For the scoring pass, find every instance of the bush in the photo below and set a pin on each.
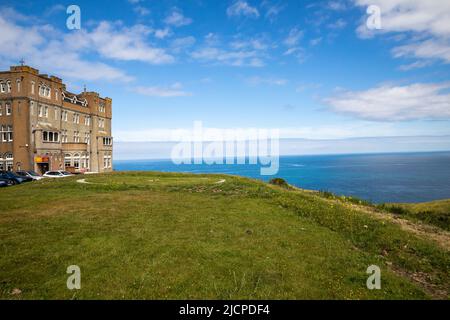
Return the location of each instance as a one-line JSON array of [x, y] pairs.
[[395, 209], [327, 194], [279, 182]]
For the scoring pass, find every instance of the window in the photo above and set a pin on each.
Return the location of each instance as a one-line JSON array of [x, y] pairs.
[[43, 111], [8, 109], [101, 107], [84, 163], [67, 160], [64, 115], [9, 161], [32, 107], [107, 141], [56, 113], [76, 136], [44, 91], [8, 86], [87, 121], [56, 95], [76, 118], [2, 87], [9, 134], [32, 87], [101, 123], [87, 138], [107, 163], [6, 133], [76, 161], [87, 159], [50, 136], [19, 85], [4, 137], [64, 136], [1, 109]]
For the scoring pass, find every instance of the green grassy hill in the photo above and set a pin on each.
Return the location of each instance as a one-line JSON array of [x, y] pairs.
[[435, 212], [180, 236]]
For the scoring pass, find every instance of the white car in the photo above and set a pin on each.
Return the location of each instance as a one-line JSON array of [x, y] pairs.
[[30, 174], [57, 174]]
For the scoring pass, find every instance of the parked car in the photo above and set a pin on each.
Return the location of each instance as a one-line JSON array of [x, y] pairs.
[[57, 174], [29, 173], [9, 175], [5, 183]]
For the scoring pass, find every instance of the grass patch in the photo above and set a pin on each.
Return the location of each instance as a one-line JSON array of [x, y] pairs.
[[436, 213], [182, 236]]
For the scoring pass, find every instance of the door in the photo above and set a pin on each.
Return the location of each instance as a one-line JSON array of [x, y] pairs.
[[43, 168]]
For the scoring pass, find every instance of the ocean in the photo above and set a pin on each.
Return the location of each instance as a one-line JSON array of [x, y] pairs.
[[393, 177]]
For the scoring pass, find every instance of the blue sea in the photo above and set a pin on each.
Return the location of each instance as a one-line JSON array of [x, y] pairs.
[[394, 177]]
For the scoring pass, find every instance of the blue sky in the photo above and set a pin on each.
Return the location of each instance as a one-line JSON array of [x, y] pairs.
[[310, 68]]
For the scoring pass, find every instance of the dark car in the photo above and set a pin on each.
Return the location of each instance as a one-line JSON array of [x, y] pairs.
[[5, 183], [8, 175]]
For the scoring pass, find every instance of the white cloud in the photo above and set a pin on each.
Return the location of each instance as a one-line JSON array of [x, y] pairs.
[[162, 33], [50, 54], [257, 80], [142, 11], [241, 52], [235, 58], [182, 43], [338, 24], [242, 8], [414, 65], [272, 10], [429, 49], [120, 43], [294, 37], [336, 5], [55, 9], [315, 41], [396, 103], [211, 39], [177, 19], [430, 16], [342, 131], [255, 44], [429, 19], [297, 52], [175, 90]]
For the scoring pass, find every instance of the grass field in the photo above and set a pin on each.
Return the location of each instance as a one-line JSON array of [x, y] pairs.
[[180, 236], [436, 212]]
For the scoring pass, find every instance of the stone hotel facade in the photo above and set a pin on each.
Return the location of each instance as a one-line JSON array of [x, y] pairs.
[[45, 127]]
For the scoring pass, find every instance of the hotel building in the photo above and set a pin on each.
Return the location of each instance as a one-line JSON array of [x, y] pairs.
[[45, 127]]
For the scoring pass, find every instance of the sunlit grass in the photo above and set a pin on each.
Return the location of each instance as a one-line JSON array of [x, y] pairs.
[[182, 236]]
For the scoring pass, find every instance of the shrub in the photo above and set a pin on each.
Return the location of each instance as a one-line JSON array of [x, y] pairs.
[[395, 209], [279, 182]]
